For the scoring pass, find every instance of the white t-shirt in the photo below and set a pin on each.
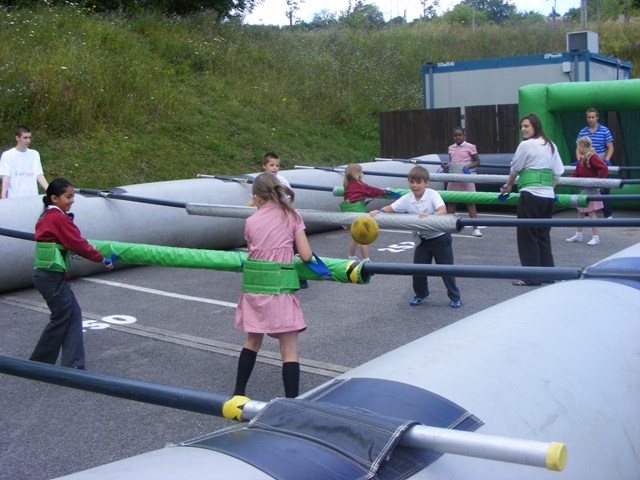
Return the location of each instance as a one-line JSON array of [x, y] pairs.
[[23, 169], [536, 155], [429, 203], [283, 181]]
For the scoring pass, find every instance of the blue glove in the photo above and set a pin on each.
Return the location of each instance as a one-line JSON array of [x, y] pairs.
[[319, 268], [503, 196], [392, 194], [573, 164], [110, 261], [466, 170]]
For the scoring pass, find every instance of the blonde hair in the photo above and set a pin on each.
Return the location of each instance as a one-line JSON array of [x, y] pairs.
[[267, 187], [352, 172], [585, 142]]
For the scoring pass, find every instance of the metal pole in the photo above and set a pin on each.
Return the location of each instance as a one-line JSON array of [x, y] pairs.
[[526, 452], [473, 271], [170, 396], [250, 180], [552, 456], [550, 222], [567, 168], [436, 162], [130, 198], [494, 179]]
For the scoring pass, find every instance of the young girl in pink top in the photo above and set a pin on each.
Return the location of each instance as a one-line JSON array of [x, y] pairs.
[[463, 154], [271, 233]]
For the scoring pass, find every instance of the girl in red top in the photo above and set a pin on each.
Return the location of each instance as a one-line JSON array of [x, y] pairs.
[[355, 193], [589, 166], [55, 236]]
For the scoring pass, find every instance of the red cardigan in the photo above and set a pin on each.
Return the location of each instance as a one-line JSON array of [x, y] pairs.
[[593, 168], [55, 226], [357, 191]]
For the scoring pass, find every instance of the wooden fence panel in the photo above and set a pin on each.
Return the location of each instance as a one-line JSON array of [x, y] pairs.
[[411, 133], [482, 127], [508, 128]]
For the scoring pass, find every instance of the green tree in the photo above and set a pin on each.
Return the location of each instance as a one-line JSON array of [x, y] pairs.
[[323, 19], [292, 7], [496, 11], [429, 8], [464, 15], [363, 15]]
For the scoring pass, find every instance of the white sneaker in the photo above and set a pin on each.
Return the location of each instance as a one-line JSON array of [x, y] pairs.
[[353, 257], [594, 241], [576, 238], [477, 233]]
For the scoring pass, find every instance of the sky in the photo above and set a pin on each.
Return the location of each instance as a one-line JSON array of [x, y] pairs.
[[272, 12]]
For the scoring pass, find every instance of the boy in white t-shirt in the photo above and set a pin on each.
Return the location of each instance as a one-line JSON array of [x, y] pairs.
[[20, 168], [436, 246]]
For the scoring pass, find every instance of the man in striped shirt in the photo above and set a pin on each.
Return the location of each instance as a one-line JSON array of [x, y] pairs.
[[602, 142]]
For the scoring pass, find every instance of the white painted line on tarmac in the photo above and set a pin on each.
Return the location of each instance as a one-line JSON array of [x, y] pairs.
[[160, 292], [325, 369]]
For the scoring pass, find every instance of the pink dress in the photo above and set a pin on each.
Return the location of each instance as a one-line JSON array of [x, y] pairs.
[[270, 237], [462, 153]]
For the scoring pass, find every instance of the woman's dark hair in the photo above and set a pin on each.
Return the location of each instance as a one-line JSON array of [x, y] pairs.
[[55, 188], [538, 132]]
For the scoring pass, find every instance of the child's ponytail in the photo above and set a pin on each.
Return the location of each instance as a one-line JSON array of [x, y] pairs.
[[267, 187]]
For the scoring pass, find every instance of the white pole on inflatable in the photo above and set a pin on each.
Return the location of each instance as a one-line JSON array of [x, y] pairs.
[[549, 455]]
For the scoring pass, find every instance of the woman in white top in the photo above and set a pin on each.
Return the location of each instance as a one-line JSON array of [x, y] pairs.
[[537, 165]]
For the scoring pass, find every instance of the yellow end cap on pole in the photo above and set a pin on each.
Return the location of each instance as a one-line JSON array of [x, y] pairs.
[[352, 271], [557, 456], [232, 408]]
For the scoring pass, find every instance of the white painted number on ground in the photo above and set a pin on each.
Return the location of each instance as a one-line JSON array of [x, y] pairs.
[[106, 321], [398, 247]]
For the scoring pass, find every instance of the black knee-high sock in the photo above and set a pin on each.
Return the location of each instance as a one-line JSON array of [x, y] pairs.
[[291, 378], [246, 363]]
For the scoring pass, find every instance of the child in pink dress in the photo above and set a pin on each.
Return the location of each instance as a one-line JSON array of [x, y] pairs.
[[465, 156], [271, 233]]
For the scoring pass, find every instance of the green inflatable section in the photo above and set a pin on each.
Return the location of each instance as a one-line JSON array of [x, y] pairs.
[[549, 101], [342, 271]]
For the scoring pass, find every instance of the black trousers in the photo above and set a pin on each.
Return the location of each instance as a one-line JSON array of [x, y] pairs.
[[64, 330], [607, 209], [439, 249], [534, 243]]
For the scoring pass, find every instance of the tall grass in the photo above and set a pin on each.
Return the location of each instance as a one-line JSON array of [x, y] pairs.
[[115, 100]]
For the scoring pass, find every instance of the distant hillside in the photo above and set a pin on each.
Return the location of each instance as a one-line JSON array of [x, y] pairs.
[[114, 100]]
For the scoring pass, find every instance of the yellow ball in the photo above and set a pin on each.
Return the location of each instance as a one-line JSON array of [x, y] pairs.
[[364, 230]]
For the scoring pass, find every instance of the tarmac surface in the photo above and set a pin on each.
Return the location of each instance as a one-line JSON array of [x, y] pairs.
[[175, 326]]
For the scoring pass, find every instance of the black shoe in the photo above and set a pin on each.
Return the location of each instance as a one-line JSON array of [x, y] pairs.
[[304, 284]]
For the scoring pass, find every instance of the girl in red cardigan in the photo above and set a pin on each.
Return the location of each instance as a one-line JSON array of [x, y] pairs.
[[355, 193], [589, 166], [56, 237]]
